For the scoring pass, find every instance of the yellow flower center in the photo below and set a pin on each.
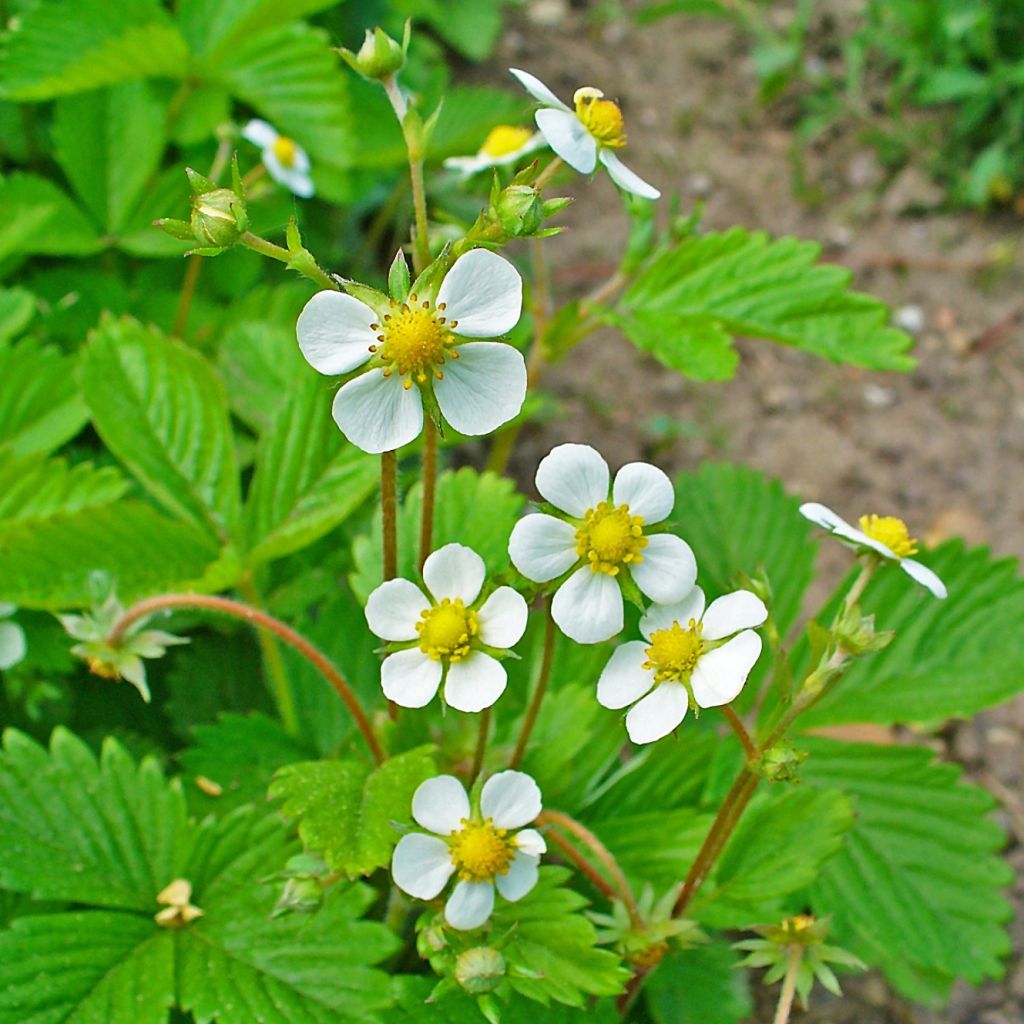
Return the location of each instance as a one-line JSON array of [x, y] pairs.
[[505, 139], [601, 117], [103, 669], [481, 851], [674, 651], [447, 630], [415, 341], [891, 532], [285, 150], [610, 538]]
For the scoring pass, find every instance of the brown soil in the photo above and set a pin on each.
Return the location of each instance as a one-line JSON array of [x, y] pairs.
[[941, 446]]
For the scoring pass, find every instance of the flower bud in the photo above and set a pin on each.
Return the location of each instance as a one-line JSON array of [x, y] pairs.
[[519, 210], [302, 895], [781, 763], [380, 56], [219, 217], [480, 970]]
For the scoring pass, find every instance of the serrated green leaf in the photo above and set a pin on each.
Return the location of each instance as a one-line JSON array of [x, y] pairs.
[[93, 967], [17, 308], [41, 219], [40, 405], [699, 986], [746, 283], [950, 658], [472, 29], [916, 888], [346, 812], [161, 409], [212, 26], [308, 479], [107, 832], [48, 54]]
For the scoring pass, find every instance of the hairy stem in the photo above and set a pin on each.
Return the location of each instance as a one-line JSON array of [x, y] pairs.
[[238, 610], [595, 876], [785, 1005], [420, 238], [539, 690], [548, 173], [188, 290], [429, 490], [389, 513], [315, 273], [741, 731], [481, 744]]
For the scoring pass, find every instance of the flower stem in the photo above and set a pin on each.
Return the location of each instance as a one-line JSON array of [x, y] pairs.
[[188, 290], [539, 690], [238, 610], [315, 272], [741, 731], [596, 878], [389, 513], [481, 744], [420, 238], [785, 1005], [548, 173], [429, 489]]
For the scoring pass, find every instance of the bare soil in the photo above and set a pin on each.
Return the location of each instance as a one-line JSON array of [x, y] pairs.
[[941, 446]]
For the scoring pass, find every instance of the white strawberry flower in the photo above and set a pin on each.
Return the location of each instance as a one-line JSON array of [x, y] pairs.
[[476, 844], [690, 657], [601, 540], [403, 346], [586, 135], [505, 144], [885, 536], [285, 160], [450, 636]]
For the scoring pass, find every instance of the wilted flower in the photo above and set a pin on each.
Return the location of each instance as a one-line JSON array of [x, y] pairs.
[[505, 144], [285, 160], [690, 657], [588, 134], [179, 910], [476, 844]]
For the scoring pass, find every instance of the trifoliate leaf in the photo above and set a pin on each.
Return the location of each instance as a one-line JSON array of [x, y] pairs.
[[916, 887], [40, 218], [691, 295], [346, 812], [699, 986], [17, 308]]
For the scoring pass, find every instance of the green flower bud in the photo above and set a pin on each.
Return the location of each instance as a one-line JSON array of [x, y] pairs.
[[781, 763], [480, 970], [380, 57], [302, 895], [519, 210], [219, 218]]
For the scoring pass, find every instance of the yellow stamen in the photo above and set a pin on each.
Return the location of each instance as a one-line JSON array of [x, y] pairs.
[[505, 139], [286, 150], [447, 630], [674, 651], [601, 117], [481, 851], [179, 910], [891, 532], [610, 538], [414, 341]]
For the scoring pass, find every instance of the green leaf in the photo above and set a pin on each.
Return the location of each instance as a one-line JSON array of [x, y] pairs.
[[473, 509], [950, 658], [347, 812], [699, 986], [308, 479], [94, 967], [17, 308], [105, 832], [744, 283], [472, 29], [468, 114], [48, 54], [916, 888], [109, 143], [213, 26], [161, 409], [40, 405], [41, 219], [34, 488]]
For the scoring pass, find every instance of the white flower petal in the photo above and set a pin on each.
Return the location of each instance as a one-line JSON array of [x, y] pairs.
[[440, 804], [624, 679], [260, 133], [733, 612], [410, 678], [537, 89], [658, 713], [393, 610], [334, 332], [421, 865], [573, 477], [502, 618], [520, 878], [483, 292], [474, 683], [587, 607], [661, 616], [469, 905], [923, 575], [454, 571], [645, 489], [530, 842], [297, 182], [720, 674], [668, 570], [13, 646], [482, 389], [852, 535], [512, 799], [300, 162], [566, 135], [821, 515], [625, 178], [542, 547], [377, 414]]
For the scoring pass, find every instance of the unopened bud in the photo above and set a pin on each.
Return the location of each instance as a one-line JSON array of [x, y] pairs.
[[480, 970], [519, 210], [300, 895], [380, 57], [219, 218], [781, 763]]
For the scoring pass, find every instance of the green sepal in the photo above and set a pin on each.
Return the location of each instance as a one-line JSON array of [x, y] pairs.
[[429, 281], [431, 123], [398, 277], [199, 183], [180, 229], [207, 250]]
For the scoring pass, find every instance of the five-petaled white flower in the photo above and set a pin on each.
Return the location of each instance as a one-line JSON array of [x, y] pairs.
[[285, 160], [590, 133], [504, 144], [474, 844], [602, 540], [691, 656], [402, 347], [446, 635], [886, 536]]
